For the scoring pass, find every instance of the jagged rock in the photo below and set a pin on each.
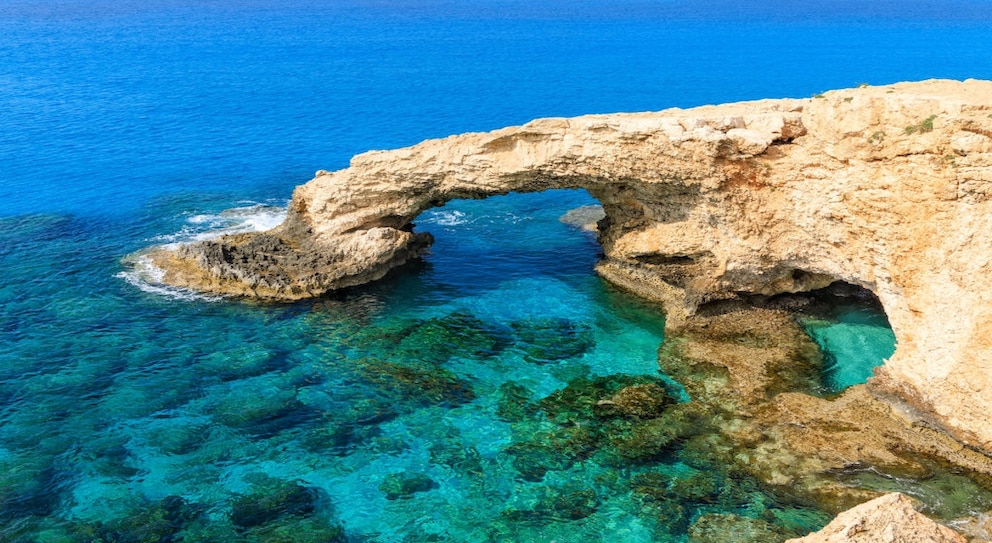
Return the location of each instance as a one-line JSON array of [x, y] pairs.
[[888, 188], [887, 519]]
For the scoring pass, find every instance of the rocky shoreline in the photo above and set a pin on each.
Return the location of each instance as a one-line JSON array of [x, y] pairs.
[[708, 210]]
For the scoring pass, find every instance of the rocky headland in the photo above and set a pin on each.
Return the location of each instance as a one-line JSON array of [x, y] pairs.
[[713, 211]]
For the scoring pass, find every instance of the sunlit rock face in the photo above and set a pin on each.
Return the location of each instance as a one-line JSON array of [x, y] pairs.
[[887, 518], [887, 188]]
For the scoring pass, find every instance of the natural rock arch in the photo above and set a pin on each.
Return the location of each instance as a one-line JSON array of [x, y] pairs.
[[887, 188]]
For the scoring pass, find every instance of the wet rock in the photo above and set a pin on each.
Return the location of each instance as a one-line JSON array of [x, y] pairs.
[[274, 501], [888, 518], [545, 341], [404, 485]]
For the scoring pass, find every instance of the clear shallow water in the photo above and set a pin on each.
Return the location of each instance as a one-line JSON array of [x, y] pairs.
[[131, 414], [855, 339]]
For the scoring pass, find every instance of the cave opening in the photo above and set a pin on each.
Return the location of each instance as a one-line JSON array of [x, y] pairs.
[[851, 328]]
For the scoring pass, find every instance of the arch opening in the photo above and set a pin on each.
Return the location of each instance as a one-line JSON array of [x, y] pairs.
[[853, 332], [481, 243]]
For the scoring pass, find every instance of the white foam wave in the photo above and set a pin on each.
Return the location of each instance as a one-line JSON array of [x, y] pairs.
[[143, 274], [445, 217], [252, 218]]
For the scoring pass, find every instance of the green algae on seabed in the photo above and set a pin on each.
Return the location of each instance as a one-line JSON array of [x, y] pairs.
[[381, 414], [370, 428]]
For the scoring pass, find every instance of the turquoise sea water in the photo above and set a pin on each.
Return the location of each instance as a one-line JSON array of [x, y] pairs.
[[855, 339], [417, 409]]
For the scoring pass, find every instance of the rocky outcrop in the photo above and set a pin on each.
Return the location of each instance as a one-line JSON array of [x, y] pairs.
[[890, 518], [887, 188], [753, 375]]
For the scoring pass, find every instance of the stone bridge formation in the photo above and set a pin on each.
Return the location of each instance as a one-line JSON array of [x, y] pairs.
[[887, 188]]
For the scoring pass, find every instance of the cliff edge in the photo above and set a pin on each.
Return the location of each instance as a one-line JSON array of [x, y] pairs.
[[887, 188]]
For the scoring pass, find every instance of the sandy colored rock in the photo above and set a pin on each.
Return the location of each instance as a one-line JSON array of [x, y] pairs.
[[887, 519], [755, 373], [888, 188]]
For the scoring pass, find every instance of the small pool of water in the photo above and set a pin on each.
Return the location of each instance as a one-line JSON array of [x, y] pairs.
[[855, 337]]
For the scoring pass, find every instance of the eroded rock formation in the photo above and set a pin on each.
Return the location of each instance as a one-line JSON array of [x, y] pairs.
[[887, 187], [887, 518]]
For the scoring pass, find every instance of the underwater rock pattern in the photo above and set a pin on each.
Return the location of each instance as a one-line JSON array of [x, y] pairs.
[[405, 485]]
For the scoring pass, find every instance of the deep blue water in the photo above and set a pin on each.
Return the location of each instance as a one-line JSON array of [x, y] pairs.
[[393, 410]]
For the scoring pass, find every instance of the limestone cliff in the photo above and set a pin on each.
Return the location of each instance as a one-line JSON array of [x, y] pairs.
[[886, 187]]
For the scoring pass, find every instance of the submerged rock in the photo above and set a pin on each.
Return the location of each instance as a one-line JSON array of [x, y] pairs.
[[514, 403], [153, 523], [721, 528], [558, 503], [423, 385], [585, 217], [297, 530], [645, 401], [438, 339], [752, 376], [274, 501], [545, 341], [586, 399], [588, 422], [261, 406], [404, 485]]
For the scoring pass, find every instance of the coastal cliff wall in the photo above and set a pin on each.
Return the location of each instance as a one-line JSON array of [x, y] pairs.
[[886, 187]]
